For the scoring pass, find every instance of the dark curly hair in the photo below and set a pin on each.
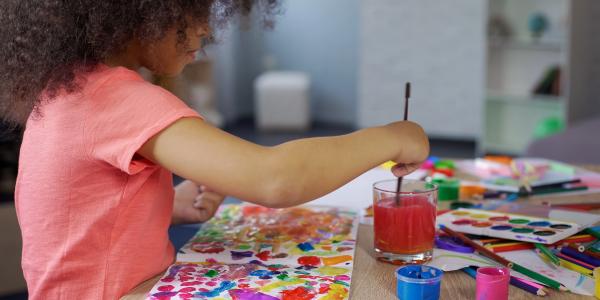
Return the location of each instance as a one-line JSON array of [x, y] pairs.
[[45, 43]]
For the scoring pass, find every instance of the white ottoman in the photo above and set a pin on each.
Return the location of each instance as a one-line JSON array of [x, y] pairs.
[[281, 101]]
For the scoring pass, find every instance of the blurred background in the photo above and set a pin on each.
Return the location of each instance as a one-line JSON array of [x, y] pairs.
[[513, 77]]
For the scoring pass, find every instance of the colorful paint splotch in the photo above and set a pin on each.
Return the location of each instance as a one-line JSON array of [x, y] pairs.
[[243, 233], [250, 252], [250, 281]]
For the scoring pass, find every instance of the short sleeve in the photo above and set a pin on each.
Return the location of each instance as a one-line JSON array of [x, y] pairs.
[[125, 113]]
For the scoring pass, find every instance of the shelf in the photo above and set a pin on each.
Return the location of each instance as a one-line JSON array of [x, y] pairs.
[[511, 120], [539, 101], [520, 44]]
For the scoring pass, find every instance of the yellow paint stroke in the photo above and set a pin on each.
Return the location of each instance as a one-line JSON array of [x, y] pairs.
[[332, 271], [460, 213], [480, 216], [336, 292], [341, 237], [330, 261], [279, 284]]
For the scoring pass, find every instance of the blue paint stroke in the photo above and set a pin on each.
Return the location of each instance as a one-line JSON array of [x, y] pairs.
[[257, 262], [525, 237], [305, 247], [580, 281], [225, 285], [237, 255], [260, 273]]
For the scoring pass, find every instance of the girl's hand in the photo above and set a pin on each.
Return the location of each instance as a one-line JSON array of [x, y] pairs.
[[196, 209], [414, 150]]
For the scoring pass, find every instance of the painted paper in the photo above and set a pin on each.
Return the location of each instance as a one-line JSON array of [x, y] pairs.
[[251, 252]]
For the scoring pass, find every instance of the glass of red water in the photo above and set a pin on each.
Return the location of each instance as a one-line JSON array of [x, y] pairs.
[[404, 222]]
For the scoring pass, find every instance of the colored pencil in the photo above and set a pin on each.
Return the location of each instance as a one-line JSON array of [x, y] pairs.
[[512, 246], [593, 232], [539, 277], [504, 243], [576, 268], [555, 184], [527, 287], [470, 271], [570, 264], [575, 261], [548, 254], [512, 265], [515, 281], [579, 248], [590, 253], [558, 190], [481, 249], [583, 250], [533, 283], [574, 253]]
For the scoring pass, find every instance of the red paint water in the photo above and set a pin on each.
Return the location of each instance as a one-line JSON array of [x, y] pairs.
[[408, 228]]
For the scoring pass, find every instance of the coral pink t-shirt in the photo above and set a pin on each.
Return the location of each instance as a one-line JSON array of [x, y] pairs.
[[93, 214]]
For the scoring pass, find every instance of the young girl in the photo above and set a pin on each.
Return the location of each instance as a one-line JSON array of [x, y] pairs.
[[94, 193]]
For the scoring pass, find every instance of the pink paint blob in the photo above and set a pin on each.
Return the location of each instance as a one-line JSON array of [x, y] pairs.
[[342, 277], [165, 288], [187, 290], [191, 283]]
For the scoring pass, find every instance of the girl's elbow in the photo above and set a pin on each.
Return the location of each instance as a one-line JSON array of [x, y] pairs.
[[282, 195]]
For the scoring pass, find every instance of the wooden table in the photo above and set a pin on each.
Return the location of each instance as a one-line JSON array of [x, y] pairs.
[[375, 280]]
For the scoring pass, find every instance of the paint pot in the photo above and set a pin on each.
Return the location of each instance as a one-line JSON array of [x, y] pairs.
[[597, 279], [447, 189], [417, 282], [492, 283]]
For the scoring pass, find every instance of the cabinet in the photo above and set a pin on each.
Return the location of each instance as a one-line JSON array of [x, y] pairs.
[[526, 39]]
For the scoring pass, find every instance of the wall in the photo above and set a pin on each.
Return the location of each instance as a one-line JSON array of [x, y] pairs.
[[439, 47], [317, 37], [584, 95]]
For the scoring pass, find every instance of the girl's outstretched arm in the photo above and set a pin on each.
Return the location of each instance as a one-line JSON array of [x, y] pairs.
[[285, 175]]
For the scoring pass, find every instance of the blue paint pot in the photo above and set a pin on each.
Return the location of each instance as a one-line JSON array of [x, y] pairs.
[[416, 282]]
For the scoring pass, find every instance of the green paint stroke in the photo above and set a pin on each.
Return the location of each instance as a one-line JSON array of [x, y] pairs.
[[211, 273], [342, 283], [282, 277]]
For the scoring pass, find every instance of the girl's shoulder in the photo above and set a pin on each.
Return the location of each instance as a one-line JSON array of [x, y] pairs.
[[110, 82]]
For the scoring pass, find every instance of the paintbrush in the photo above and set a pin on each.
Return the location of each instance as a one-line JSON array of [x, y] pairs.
[[406, 97]]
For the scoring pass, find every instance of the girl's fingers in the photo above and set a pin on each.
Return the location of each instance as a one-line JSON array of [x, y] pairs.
[[208, 201], [400, 170]]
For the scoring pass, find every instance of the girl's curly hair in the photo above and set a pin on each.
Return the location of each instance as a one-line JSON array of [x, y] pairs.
[[44, 43]]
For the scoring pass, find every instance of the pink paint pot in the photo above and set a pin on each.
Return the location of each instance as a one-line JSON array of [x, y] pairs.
[[492, 283]]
